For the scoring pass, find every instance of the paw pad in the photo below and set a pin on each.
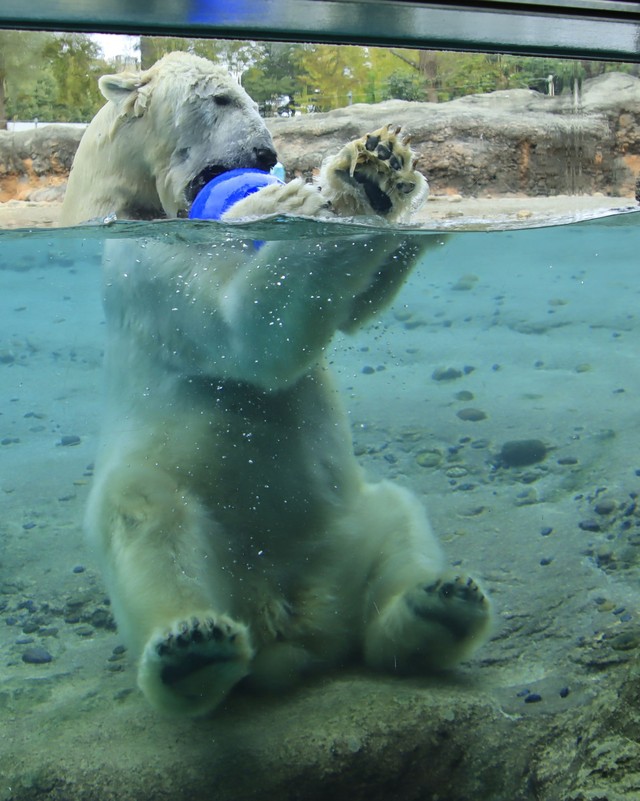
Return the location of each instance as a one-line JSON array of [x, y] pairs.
[[382, 165], [457, 603], [191, 645]]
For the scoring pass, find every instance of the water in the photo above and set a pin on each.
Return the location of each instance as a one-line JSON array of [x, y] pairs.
[[537, 332]]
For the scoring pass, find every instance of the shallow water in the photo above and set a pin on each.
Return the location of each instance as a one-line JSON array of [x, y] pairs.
[[537, 332]]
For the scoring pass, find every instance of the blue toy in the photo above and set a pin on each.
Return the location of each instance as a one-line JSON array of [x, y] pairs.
[[224, 190]]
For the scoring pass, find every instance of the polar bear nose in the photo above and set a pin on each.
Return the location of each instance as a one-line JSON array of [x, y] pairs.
[[265, 157]]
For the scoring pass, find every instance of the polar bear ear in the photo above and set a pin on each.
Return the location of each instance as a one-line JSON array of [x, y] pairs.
[[129, 92], [119, 87]]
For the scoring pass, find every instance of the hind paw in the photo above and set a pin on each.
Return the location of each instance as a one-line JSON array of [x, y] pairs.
[[456, 604], [190, 666]]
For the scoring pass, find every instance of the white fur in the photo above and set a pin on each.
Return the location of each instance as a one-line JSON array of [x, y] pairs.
[[237, 533]]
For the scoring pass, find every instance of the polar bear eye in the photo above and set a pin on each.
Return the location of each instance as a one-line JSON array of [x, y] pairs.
[[183, 153], [222, 100]]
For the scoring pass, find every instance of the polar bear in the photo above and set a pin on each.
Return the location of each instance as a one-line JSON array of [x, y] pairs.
[[239, 539]]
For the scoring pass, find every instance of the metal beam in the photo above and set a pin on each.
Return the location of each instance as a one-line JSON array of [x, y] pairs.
[[598, 29]]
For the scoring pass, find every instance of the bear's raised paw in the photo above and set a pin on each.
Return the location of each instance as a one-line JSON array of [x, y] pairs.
[[190, 666], [377, 172]]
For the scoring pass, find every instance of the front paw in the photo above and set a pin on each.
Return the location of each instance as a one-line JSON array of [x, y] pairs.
[[189, 667], [374, 174], [295, 198]]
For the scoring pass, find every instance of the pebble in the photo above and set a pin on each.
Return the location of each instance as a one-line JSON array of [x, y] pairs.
[[605, 506], [79, 569], [532, 698], [446, 374], [564, 692], [69, 439], [28, 526], [546, 531], [626, 641], [471, 415], [589, 525], [429, 458], [36, 655], [464, 395], [30, 628], [456, 472], [465, 283], [367, 369], [545, 561], [522, 452]]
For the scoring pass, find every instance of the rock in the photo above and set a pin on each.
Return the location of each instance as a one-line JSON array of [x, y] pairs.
[[605, 507], [36, 655], [40, 158], [522, 452], [446, 374], [429, 458], [471, 415], [516, 140], [69, 439]]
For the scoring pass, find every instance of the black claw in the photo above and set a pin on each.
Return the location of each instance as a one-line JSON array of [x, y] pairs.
[[217, 633], [447, 590]]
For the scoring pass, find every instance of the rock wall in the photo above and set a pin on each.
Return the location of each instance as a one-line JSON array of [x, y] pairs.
[[35, 164], [509, 142], [514, 141]]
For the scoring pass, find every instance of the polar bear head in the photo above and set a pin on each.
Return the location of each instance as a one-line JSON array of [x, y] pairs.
[[165, 132]]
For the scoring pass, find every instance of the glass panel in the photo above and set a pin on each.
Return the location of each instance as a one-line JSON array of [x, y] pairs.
[[477, 361]]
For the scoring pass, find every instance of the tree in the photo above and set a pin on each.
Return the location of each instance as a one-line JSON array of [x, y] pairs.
[[273, 79], [154, 47], [19, 59], [73, 59], [333, 75]]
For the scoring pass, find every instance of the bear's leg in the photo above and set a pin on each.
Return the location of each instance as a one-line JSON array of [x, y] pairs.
[[418, 617], [166, 591]]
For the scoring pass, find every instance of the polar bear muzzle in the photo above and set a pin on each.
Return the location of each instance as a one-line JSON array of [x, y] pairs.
[[263, 158]]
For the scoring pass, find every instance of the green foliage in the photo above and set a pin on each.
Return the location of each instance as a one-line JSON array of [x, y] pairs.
[[403, 86], [54, 76], [73, 61], [19, 57], [273, 78]]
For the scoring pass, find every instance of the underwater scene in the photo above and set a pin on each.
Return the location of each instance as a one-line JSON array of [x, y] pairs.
[[500, 387]]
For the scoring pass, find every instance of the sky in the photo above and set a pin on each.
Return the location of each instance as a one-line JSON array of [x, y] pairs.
[[113, 44]]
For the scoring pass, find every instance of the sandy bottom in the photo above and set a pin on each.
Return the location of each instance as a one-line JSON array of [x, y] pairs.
[[519, 336]]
